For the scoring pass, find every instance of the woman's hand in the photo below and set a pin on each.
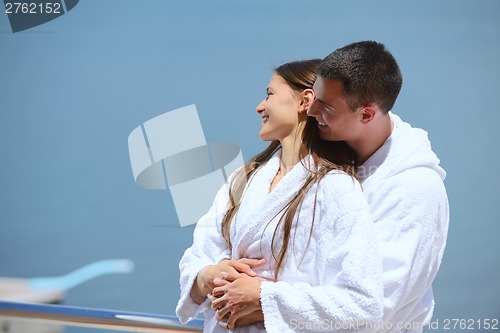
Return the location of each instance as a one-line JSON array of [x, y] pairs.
[[204, 283], [237, 299]]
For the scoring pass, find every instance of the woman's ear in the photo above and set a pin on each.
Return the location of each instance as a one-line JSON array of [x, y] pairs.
[[306, 99]]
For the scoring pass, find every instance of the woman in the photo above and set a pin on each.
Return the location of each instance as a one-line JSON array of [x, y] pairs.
[[299, 209]]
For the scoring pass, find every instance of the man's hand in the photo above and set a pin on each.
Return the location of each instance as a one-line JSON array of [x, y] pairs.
[[204, 284], [236, 298], [253, 318]]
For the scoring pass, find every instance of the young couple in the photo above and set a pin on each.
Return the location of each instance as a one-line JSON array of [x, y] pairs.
[[339, 225]]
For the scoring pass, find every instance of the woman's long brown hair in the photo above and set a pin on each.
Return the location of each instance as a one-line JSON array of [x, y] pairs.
[[326, 156]]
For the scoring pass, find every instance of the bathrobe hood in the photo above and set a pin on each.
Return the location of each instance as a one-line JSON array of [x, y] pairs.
[[406, 148], [403, 184]]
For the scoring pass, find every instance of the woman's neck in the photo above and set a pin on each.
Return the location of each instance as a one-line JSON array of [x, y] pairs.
[[290, 149]]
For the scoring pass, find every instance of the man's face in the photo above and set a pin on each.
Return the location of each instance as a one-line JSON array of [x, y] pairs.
[[336, 120]]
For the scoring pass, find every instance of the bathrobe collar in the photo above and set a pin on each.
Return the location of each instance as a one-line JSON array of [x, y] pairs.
[[259, 206]]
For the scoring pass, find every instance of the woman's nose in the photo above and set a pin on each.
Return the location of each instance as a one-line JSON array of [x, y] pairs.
[[260, 108]]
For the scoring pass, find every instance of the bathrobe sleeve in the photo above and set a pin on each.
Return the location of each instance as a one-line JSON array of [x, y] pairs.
[[411, 219], [348, 264], [209, 247]]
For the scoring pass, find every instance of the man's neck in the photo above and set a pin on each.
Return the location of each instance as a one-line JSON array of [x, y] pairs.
[[374, 137]]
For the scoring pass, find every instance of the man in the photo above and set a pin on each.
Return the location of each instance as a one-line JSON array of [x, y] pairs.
[[401, 178], [357, 86]]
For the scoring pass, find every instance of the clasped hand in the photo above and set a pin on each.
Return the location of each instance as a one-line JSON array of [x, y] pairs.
[[236, 293]]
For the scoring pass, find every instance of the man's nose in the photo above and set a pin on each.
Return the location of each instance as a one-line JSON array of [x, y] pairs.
[[312, 111]]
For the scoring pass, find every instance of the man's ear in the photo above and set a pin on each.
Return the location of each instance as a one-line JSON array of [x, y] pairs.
[[306, 99], [368, 112]]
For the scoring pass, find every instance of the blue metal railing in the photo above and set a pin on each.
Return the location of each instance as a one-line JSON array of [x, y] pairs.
[[90, 317]]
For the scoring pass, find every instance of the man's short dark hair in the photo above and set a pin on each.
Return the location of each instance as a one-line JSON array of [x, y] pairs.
[[368, 73]]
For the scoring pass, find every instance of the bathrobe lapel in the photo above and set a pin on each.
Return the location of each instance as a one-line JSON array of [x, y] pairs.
[[259, 206]]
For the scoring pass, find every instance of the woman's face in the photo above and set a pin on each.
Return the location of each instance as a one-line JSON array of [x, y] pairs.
[[279, 111]]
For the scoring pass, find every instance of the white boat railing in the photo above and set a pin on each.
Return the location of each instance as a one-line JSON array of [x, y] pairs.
[[11, 312]]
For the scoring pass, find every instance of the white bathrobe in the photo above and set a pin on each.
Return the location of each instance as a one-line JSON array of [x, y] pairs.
[[403, 184], [326, 285]]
